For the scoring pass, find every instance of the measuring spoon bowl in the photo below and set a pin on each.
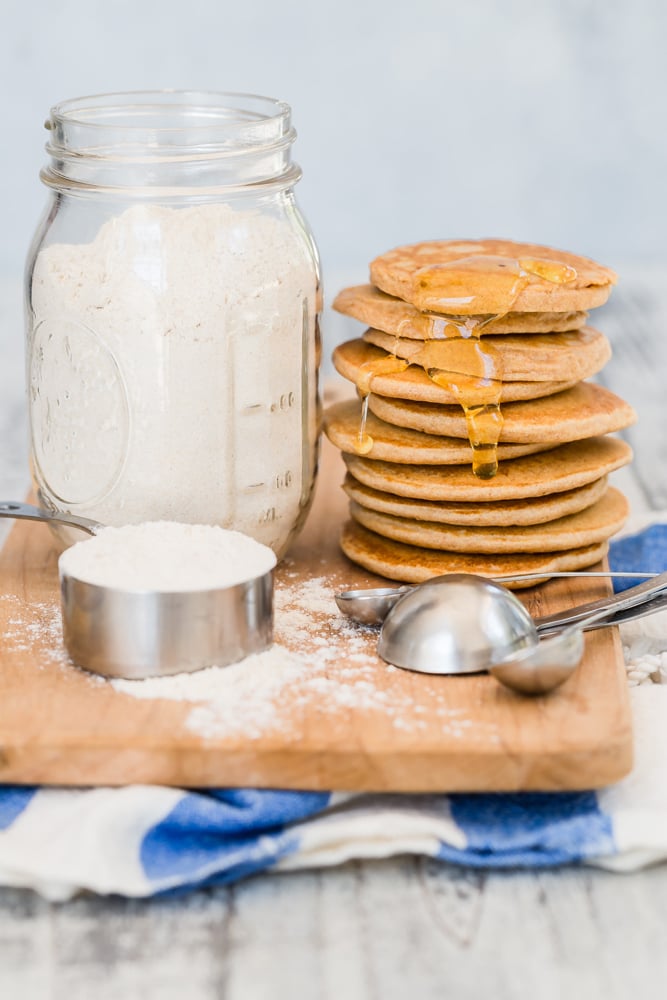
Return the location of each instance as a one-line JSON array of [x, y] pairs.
[[541, 668], [455, 624], [461, 623], [552, 660], [369, 607]]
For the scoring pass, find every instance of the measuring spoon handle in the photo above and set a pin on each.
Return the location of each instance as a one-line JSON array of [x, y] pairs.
[[648, 607], [26, 512], [626, 599]]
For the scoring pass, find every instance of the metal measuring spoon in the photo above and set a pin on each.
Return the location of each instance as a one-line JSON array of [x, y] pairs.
[[139, 634], [455, 624], [462, 624], [552, 660], [371, 606], [544, 666]]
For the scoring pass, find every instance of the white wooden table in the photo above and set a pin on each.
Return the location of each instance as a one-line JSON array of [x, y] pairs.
[[410, 928]]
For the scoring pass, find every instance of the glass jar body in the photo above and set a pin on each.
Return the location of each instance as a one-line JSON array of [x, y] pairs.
[[172, 352]]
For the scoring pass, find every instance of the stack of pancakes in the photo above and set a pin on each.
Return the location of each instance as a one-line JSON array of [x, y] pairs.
[[481, 447]]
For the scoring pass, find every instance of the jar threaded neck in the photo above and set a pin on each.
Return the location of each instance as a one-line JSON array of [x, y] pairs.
[[168, 141]]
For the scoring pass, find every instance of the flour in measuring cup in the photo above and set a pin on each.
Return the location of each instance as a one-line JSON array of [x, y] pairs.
[[167, 556], [166, 370]]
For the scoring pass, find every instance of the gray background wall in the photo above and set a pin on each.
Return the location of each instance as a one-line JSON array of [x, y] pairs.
[[537, 119]]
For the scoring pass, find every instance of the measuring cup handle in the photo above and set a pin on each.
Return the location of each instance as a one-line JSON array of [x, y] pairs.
[[26, 512]]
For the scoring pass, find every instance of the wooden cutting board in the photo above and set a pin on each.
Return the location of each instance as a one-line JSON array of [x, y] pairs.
[[336, 718]]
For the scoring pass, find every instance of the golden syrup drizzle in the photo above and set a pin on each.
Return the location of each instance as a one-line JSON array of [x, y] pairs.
[[453, 354], [484, 424], [473, 372], [549, 270], [383, 366], [458, 360], [445, 287]]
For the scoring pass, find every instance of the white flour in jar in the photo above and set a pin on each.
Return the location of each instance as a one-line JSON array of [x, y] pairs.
[[167, 556], [167, 371]]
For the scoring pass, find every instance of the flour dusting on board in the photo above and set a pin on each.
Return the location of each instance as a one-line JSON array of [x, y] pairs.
[[320, 665], [34, 627], [319, 661]]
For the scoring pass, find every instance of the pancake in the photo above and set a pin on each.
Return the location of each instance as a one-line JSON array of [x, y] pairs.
[[563, 468], [385, 312], [424, 274], [399, 444], [587, 527], [537, 357], [585, 410], [413, 564], [413, 383], [537, 510]]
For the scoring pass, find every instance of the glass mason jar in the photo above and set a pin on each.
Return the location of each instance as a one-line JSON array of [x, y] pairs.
[[173, 299]]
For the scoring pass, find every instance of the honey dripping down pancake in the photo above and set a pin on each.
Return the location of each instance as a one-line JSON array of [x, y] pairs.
[[536, 357], [434, 276], [585, 410], [392, 443], [453, 354], [414, 384], [565, 467], [380, 311]]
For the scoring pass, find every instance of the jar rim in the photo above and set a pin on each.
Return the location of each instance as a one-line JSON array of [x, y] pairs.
[[216, 110], [160, 140]]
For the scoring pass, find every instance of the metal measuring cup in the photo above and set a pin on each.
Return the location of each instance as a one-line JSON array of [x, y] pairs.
[[143, 633]]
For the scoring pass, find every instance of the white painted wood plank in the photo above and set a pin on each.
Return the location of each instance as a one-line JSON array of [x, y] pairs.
[[389, 930]]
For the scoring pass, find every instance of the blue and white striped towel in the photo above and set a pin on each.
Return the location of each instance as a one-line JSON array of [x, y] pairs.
[[143, 840]]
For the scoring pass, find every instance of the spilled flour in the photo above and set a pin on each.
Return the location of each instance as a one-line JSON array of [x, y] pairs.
[[35, 627], [321, 666], [319, 662]]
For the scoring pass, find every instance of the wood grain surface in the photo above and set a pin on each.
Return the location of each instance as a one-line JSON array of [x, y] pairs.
[[411, 732]]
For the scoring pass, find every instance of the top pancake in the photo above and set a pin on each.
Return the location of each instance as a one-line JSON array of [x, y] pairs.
[[423, 274], [391, 315]]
